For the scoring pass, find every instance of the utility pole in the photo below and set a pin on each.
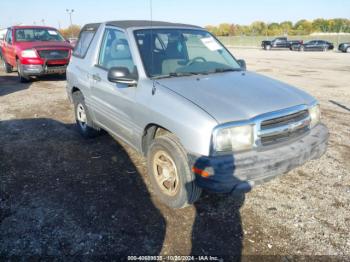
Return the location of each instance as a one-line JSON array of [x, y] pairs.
[[340, 30], [266, 31], [70, 12]]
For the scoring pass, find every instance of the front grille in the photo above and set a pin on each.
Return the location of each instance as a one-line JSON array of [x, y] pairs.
[[274, 139], [284, 128], [53, 54], [284, 120]]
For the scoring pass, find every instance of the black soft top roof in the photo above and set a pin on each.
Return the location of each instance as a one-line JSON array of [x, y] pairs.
[[125, 24], [145, 23]]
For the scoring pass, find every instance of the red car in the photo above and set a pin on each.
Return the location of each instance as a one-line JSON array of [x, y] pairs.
[[35, 51]]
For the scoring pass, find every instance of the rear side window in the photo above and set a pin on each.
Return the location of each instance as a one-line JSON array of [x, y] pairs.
[[83, 44]]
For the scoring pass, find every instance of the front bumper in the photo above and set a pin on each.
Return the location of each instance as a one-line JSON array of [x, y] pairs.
[[240, 172], [35, 70]]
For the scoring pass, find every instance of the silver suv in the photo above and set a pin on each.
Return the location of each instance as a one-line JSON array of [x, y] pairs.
[[177, 95]]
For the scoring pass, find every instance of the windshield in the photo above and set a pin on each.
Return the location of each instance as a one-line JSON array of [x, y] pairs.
[[179, 52], [37, 34]]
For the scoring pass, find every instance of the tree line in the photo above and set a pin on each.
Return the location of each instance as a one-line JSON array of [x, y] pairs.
[[71, 31], [302, 27]]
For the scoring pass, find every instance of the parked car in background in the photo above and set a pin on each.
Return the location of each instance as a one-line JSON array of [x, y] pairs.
[[35, 51], [344, 47], [179, 97], [314, 45], [279, 42]]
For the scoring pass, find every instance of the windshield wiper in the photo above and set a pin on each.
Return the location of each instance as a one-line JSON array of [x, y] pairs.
[[179, 74], [223, 70]]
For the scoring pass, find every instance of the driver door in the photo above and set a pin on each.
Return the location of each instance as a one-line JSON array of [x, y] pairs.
[[113, 102], [9, 50]]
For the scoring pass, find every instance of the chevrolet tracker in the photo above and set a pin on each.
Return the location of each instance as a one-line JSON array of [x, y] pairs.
[[35, 51], [175, 94]]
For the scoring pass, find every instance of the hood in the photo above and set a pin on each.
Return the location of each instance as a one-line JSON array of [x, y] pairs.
[[237, 96], [43, 45]]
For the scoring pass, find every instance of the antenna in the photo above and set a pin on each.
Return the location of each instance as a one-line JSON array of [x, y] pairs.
[[151, 40]]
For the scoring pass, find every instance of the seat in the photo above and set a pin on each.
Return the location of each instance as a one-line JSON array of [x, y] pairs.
[[171, 66], [174, 54], [120, 55]]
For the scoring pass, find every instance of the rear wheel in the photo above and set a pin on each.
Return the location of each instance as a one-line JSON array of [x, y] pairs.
[[170, 174], [348, 50], [22, 78], [84, 121], [7, 66]]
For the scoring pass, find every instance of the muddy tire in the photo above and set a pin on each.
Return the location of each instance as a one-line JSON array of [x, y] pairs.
[[7, 66], [22, 78], [83, 118], [171, 177]]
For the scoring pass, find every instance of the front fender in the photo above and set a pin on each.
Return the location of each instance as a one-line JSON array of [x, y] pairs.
[[191, 124]]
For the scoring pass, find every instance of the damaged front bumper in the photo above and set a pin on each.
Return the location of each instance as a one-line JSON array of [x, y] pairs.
[[238, 173]]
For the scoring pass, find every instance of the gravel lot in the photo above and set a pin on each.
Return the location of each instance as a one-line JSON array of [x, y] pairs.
[[62, 195]]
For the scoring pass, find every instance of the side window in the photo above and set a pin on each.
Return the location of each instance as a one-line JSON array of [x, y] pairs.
[[83, 44], [115, 51], [9, 37]]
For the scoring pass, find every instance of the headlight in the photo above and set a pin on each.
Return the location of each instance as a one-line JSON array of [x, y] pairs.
[[233, 138], [29, 53], [315, 115]]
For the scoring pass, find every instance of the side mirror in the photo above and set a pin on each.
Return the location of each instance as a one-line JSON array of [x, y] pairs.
[[242, 64], [122, 75]]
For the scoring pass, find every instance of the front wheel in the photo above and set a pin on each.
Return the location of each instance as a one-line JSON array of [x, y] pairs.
[[267, 47], [22, 78], [347, 50], [170, 174]]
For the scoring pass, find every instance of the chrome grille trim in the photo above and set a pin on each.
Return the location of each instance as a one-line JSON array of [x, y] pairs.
[[284, 128], [284, 120]]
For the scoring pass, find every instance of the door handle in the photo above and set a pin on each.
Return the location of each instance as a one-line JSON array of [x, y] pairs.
[[96, 78]]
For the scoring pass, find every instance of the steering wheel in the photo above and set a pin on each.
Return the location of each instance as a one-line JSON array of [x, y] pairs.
[[196, 59]]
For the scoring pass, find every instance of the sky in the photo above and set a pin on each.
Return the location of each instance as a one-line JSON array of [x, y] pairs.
[[198, 12]]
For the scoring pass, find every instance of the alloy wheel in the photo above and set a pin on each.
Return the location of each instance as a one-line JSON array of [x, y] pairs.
[[165, 172]]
